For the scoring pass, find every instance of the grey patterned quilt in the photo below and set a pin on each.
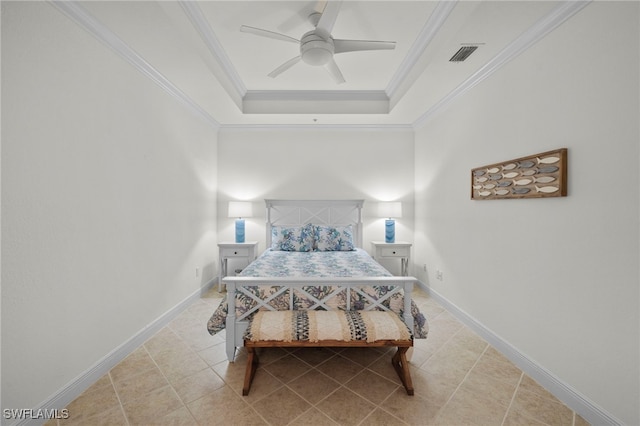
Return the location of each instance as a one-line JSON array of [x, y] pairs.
[[354, 263]]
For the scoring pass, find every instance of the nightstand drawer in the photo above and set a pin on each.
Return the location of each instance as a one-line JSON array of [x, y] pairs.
[[394, 252], [235, 252]]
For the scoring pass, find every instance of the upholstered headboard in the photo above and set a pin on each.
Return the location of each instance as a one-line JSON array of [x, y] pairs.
[[318, 212]]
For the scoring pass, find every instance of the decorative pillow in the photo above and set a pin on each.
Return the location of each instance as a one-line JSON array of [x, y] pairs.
[[334, 238], [298, 238]]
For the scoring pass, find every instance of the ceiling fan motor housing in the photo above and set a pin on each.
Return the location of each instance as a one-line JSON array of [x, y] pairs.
[[316, 50]]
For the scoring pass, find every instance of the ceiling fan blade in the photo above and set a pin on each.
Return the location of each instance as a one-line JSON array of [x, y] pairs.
[[300, 16], [268, 34], [282, 68], [335, 72], [342, 46], [320, 5], [328, 18]]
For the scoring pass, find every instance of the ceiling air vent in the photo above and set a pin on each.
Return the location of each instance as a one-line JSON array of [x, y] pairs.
[[463, 53]]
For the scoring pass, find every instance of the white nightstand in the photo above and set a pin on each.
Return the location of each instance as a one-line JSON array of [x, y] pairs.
[[401, 250], [247, 251]]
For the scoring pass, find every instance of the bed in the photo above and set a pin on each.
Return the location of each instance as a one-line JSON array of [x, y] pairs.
[[314, 261]]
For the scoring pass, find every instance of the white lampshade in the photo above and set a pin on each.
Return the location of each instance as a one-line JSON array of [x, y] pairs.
[[393, 209], [240, 209]]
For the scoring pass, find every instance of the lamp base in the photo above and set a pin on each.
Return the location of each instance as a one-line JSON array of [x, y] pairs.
[[389, 231], [239, 230]]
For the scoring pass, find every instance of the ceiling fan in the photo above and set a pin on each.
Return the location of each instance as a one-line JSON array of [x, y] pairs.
[[317, 46]]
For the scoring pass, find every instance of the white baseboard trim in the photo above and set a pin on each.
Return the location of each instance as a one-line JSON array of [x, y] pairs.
[[572, 398], [73, 389]]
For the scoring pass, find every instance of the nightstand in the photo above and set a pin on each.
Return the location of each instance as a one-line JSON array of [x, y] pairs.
[[401, 250], [247, 251]]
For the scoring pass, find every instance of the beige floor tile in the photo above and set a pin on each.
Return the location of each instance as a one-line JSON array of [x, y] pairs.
[[179, 417], [530, 385], [340, 369], [497, 368], [454, 355], [365, 356], [152, 406], [373, 387], [413, 410], [197, 385], [111, 416], [232, 373], [263, 385], [466, 339], [379, 417], [286, 368], [479, 383], [314, 356], [214, 354], [516, 418], [542, 409], [179, 363], [269, 355], [130, 388], [164, 340], [181, 376], [313, 386], [384, 368], [420, 355], [472, 408], [220, 407], [201, 310], [281, 407], [345, 407], [313, 417], [97, 399], [137, 362], [436, 387]]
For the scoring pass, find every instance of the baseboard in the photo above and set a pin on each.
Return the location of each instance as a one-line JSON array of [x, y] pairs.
[[572, 398], [73, 389]]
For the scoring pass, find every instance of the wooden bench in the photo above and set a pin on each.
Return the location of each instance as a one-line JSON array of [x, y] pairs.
[[295, 329]]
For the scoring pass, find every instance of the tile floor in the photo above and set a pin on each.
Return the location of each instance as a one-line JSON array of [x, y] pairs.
[[181, 376]]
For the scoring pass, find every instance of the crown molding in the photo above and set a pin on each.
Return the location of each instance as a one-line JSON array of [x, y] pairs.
[[315, 102], [320, 102], [316, 127], [200, 22], [535, 33], [437, 18], [94, 27]]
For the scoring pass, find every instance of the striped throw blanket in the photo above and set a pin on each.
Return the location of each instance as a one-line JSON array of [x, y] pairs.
[[314, 326]]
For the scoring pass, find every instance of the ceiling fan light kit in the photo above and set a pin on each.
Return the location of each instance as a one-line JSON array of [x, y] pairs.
[[315, 50], [317, 46]]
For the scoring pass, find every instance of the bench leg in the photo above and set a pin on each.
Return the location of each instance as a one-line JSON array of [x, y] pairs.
[[399, 362], [252, 364]]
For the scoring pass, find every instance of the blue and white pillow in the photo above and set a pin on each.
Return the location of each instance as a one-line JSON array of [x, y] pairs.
[[334, 238], [298, 238]]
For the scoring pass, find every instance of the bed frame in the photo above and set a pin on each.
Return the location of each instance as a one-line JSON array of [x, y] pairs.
[[298, 213]]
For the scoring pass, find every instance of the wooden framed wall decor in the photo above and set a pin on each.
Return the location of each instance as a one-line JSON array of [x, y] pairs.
[[535, 176]]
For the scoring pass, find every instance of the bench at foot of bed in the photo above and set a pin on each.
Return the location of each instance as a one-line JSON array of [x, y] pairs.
[[296, 329]]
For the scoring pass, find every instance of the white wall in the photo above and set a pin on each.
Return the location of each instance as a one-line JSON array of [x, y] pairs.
[[316, 163], [108, 202], [556, 278]]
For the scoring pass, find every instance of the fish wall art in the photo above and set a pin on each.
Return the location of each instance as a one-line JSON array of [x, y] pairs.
[[534, 176]]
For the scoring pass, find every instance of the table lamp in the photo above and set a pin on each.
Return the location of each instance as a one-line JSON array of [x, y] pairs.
[[240, 210], [390, 211]]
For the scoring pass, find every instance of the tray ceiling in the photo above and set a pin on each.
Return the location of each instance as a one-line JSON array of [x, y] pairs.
[[195, 51]]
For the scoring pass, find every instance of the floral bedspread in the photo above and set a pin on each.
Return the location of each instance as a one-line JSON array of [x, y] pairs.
[[355, 263]]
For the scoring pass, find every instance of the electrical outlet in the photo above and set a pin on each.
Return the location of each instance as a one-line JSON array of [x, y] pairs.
[[197, 272], [424, 267], [439, 275]]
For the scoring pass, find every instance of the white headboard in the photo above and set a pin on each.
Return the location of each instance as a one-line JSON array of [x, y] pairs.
[[318, 212]]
